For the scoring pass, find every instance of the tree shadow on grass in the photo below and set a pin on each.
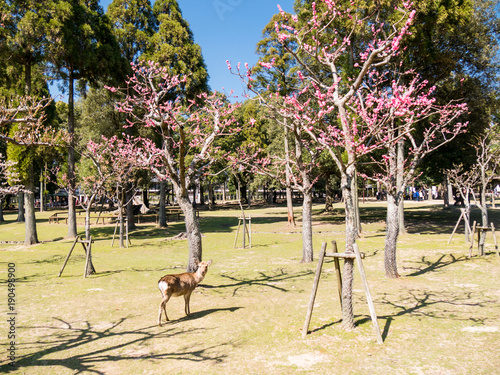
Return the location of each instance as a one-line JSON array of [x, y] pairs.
[[89, 348], [444, 260], [446, 305], [264, 280], [201, 314]]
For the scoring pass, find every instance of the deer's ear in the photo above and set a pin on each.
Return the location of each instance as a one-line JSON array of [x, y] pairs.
[[209, 262]]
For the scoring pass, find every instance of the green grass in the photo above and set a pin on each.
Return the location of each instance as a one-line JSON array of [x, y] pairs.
[[441, 317]]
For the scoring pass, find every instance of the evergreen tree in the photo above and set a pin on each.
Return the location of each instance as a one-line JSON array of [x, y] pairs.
[[173, 46], [22, 55], [133, 25], [81, 47]]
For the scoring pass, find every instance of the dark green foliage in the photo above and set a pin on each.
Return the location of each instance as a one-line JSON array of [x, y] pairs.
[[133, 25], [173, 46]]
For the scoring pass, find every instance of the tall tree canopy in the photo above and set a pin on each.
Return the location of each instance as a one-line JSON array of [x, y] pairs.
[[173, 46]]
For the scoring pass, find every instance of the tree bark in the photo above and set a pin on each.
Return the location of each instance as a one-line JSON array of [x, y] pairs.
[[329, 195], [351, 235], [130, 208], [289, 197], [192, 231], [391, 237], [400, 186], [30, 236], [20, 207], [162, 211], [1, 210], [307, 244], [201, 189], [446, 197], [211, 195]]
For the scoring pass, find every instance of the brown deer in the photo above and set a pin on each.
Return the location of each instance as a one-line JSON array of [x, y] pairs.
[[181, 284]]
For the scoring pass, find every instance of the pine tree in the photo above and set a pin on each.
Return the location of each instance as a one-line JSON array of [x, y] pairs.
[[133, 25], [173, 46], [81, 47]]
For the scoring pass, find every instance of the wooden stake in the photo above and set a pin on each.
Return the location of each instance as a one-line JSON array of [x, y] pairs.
[[371, 306], [314, 290], [339, 274], [237, 233], [69, 254], [456, 226], [114, 233]]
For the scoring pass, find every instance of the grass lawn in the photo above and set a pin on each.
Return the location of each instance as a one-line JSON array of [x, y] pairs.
[[441, 317]]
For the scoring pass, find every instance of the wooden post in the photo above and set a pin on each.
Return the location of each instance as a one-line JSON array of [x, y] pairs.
[[244, 231], [371, 306], [114, 233], [456, 226], [237, 233], [69, 254], [314, 290], [339, 274]]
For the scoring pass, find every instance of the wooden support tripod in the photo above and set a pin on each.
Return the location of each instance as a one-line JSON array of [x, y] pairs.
[[336, 257], [87, 271]]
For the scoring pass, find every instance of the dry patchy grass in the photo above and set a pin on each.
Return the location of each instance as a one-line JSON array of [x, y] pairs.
[[440, 317]]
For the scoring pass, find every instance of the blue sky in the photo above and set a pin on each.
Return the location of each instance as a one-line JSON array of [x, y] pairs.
[[227, 30]]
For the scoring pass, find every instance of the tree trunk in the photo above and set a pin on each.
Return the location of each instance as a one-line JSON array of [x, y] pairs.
[[90, 266], [351, 235], [354, 192], [391, 237], [20, 207], [72, 231], [289, 207], [400, 186], [289, 197], [329, 195], [307, 244], [211, 195], [192, 231], [484, 214], [1, 210], [201, 189], [30, 236], [42, 188], [162, 211], [130, 208]]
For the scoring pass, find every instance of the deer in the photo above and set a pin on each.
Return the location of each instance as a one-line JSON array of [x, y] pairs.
[[181, 284]]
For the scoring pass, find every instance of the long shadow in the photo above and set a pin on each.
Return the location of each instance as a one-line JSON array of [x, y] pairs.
[[201, 314], [418, 305], [444, 260], [264, 281], [63, 342]]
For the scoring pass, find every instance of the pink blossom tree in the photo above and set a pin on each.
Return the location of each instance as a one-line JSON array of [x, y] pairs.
[[104, 163], [187, 129], [406, 106], [337, 105], [296, 169], [22, 123]]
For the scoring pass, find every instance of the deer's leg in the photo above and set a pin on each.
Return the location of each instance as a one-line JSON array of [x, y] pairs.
[[163, 304], [187, 296]]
